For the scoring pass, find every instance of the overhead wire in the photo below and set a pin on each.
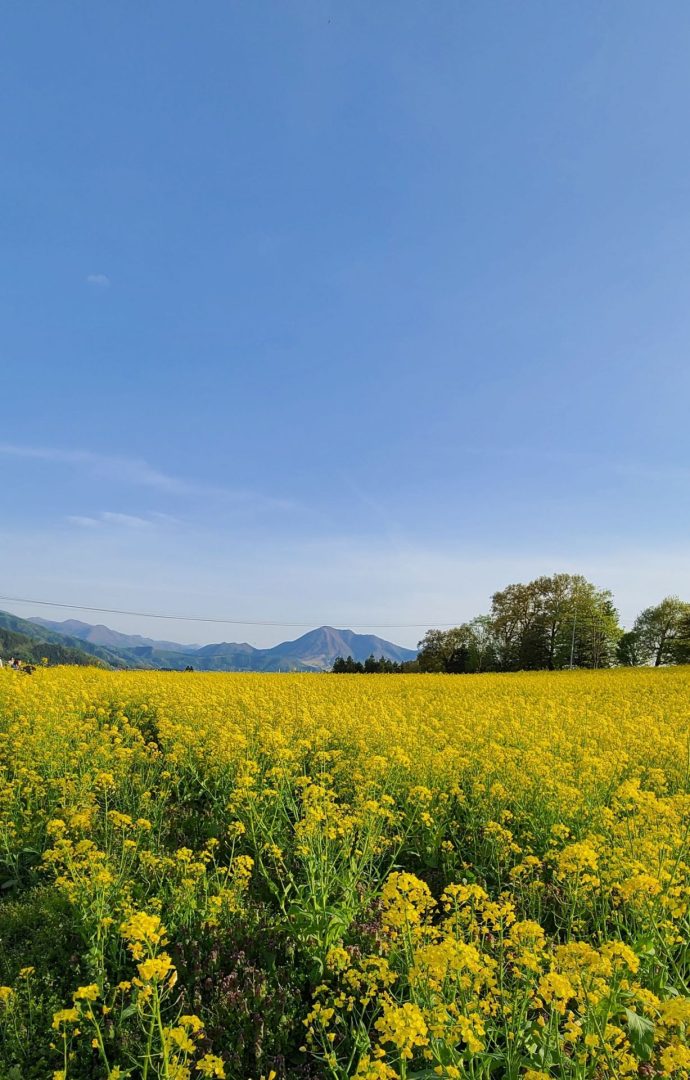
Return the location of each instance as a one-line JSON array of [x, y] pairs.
[[220, 620]]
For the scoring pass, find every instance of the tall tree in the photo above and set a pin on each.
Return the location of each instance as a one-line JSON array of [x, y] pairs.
[[437, 647], [658, 630], [681, 645], [460, 650], [596, 630], [514, 612], [628, 650], [553, 622], [481, 644], [558, 600]]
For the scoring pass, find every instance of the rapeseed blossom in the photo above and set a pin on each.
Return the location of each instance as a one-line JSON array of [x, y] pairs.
[[469, 874]]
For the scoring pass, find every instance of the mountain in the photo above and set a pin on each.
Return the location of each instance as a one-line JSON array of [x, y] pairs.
[[313, 651], [103, 635], [41, 634], [32, 648], [319, 648]]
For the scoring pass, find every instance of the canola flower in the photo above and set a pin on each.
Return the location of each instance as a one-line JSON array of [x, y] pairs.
[[468, 876]]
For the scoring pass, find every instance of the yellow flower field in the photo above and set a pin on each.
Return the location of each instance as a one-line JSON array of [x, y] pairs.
[[344, 876]]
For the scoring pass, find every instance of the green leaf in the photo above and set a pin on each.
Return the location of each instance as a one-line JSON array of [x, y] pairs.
[[644, 947], [640, 1034]]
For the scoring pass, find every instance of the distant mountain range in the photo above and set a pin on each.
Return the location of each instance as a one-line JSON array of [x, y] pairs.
[[33, 649], [103, 635], [314, 651]]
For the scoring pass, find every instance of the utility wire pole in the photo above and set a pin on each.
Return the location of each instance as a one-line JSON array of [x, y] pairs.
[[572, 642]]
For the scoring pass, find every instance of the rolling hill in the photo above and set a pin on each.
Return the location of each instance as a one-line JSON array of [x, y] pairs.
[[32, 648], [42, 634]]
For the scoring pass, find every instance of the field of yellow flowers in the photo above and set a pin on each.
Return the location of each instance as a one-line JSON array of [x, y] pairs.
[[273, 876]]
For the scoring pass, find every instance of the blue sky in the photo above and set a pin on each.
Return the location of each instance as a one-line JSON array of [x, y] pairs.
[[345, 313]]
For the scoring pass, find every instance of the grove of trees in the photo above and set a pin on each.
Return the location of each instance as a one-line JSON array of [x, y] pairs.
[[547, 624], [558, 622], [371, 666]]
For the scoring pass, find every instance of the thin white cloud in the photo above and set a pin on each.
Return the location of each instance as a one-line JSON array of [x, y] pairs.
[[165, 519], [111, 517], [133, 470], [101, 281], [82, 521], [131, 521], [140, 473]]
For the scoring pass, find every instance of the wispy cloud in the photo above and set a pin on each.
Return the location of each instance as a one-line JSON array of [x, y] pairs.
[[82, 521], [101, 281], [131, 470], [131, 521], [165, 519], [111, 517], [139, 473]]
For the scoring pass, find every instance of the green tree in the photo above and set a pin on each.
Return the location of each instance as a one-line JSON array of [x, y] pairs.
[[592, 638], [659, 630], [681, 644], [461, 649], [481, 644], [514, 612], [553, 622], [437, 647], [628, 650], [371, 666], [558, 597], [349, 666]]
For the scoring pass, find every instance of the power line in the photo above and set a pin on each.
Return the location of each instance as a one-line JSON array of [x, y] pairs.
[[229, 622]]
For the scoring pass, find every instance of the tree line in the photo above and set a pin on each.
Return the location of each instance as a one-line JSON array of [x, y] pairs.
[[555, 622], [371, 666]]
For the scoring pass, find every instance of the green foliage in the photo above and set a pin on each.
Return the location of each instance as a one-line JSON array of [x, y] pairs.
[[663, 632], [39, 956], [249, 988], [546, 624], [628, 649], [371, 666], [681, 644], [33, 651], [554, 622], [39, 637], [38, 929], [640, 1031]]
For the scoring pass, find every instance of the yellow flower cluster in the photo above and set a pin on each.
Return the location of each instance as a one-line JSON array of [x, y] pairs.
[[481, 875]]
